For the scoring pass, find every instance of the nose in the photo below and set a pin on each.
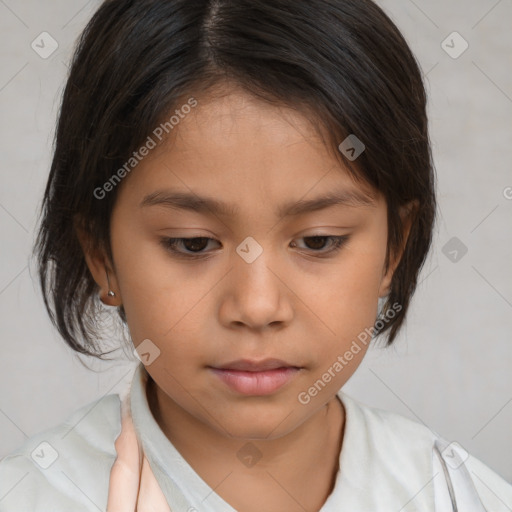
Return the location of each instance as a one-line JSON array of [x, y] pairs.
[[256, 294]]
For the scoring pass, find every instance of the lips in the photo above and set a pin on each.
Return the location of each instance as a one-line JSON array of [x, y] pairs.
[[256, 378], [247, 365]]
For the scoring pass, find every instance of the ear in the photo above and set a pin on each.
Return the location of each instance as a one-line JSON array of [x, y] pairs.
[[99, 264], [407, 214]]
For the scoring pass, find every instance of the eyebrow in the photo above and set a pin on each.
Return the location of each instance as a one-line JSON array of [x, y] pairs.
[[209, 205]]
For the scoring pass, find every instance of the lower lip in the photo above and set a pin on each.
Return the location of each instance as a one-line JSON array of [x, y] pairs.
[[256, 383]]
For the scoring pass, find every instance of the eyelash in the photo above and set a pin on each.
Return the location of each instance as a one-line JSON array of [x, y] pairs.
[[170, 245]]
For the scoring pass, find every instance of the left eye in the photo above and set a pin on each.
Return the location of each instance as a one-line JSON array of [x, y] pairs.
[[196, 245], [336, 242]]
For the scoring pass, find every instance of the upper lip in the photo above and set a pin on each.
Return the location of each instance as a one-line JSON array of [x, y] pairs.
[[255, 366]]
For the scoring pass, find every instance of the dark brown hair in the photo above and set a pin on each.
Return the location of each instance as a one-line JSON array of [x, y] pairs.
[[342, 62]]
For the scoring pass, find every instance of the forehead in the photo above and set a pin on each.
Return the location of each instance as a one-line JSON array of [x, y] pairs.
[[227, 120], [241, 150]]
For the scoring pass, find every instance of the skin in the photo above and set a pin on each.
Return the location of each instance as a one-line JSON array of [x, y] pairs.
[[289, 303]]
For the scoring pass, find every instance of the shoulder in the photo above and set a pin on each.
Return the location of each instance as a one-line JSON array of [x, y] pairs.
[[405, 447], [66, 467]]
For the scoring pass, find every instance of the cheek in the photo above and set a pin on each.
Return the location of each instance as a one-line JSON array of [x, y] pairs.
[[348, 292], [165, 302], [346, 301], [148, 284]]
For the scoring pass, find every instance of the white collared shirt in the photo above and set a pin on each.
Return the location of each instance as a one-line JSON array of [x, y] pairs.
[[386, 465]]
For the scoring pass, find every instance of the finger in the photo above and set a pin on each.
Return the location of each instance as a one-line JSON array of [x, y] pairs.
[[151, 498], [125, 472]]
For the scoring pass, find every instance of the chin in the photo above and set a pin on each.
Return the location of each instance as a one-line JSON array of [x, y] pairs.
[[259, 424]]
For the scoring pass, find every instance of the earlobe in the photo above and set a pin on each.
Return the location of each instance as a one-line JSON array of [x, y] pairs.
[[100, 268]]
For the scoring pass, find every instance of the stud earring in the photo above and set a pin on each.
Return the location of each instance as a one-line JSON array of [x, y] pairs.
[[110, 292]]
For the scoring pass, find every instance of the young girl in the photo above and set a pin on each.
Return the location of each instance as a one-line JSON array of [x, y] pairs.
[[250, 184]]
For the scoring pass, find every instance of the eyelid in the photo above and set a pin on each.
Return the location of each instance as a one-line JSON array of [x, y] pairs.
[[169, 243]]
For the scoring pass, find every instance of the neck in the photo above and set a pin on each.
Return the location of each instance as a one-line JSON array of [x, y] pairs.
[[306, 458]]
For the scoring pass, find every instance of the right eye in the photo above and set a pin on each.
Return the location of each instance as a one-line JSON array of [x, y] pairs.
[[194, 245]]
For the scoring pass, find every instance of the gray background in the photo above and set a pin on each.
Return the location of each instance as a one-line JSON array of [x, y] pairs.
[[450, 367]]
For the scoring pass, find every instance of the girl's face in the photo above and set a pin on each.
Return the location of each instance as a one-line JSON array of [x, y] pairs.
[[254, 284]]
